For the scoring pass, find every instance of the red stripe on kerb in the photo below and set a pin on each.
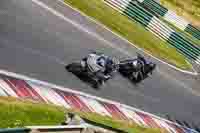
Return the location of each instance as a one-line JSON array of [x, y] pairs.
[[73, 100], [22, 89], [112, 109], [150, 122]]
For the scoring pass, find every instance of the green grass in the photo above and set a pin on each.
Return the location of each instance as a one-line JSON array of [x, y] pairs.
[[129, 127], [187, 8], [15, 113], [18, 113], [130, 30]]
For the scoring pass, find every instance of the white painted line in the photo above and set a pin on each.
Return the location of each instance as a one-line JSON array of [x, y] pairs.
[[146, 52], [77, 25]]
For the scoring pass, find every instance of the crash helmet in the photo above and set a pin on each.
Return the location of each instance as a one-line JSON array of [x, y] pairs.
[[141, 58], [101, 61]]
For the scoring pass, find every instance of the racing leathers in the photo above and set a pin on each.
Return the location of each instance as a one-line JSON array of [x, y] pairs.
[[135, 66], [139, 67]]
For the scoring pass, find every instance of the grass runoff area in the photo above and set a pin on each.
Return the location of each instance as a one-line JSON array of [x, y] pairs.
[[130, 30], [20, 113], [190, 9]]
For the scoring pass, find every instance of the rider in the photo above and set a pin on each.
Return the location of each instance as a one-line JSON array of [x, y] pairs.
[[100, 63], [137, 66]]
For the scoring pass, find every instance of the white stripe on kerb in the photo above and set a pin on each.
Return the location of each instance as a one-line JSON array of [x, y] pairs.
[[173, 18], [119, 5], [160, 28], [94, 105], [163, 24], [133, 116], [2, 92], [49, 95], [37, 89], [198, 60], [155, 33], [122, 3], [152, 28], [164, 125], [115, 8], [85, 101], [7, 88], [125, 2]]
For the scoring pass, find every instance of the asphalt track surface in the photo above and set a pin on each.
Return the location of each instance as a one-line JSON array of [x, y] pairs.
[[37, 43]]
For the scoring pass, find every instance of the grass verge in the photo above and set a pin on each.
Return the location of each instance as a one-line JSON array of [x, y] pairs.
[[18, 113], [189, 9], [130, 30], [126, 126]]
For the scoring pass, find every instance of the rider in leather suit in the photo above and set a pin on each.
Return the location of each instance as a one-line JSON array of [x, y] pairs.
[[136, 66], [98, 64]]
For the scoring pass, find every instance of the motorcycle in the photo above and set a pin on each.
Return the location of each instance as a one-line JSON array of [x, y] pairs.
[[136, 74], [82, 71]]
